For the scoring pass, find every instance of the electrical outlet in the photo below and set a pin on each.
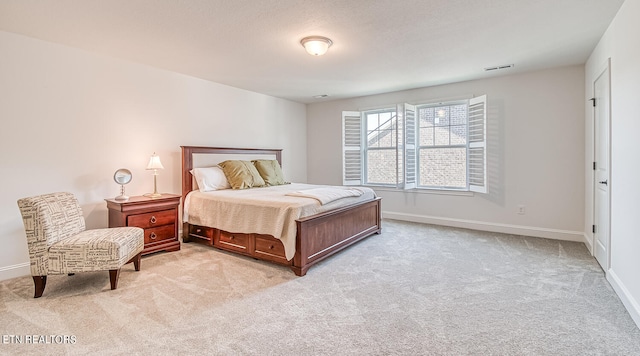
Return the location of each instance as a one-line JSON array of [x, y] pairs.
[[521, 209]]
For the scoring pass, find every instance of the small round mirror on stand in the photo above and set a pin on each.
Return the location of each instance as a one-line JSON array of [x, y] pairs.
[[122, 177]]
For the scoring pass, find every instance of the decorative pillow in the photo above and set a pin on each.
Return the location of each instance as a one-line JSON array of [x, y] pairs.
[[241, 174], [210, 178], [270, 171]]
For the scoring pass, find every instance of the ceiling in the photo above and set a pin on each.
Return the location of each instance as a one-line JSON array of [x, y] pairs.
[[379, 45]]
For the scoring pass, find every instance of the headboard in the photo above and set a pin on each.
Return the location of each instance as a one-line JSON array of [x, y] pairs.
[[198, 156]]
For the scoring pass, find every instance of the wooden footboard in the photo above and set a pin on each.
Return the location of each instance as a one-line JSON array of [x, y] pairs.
[[322, 235]]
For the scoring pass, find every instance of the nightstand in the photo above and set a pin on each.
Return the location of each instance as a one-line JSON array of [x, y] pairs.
[[157, 216]]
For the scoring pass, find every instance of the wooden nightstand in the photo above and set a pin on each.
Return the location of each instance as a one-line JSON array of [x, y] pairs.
[[157, 216]]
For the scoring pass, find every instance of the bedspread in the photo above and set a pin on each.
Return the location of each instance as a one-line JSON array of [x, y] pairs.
[[326, 195], [265, 210]]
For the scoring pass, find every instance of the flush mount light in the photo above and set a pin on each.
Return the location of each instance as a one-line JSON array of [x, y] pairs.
[[316, 45]]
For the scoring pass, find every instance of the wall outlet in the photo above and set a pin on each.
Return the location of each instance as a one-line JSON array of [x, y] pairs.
[[521, 209]]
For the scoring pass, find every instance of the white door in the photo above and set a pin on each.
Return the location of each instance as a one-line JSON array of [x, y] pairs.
[[602, 183]]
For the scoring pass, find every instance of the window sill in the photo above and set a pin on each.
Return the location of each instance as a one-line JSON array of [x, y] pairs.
[[422, 191]]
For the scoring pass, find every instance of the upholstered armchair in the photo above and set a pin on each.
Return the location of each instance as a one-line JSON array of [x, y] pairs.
[[59, 244]]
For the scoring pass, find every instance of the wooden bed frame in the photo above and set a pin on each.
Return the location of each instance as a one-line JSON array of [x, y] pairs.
[[317, 237]]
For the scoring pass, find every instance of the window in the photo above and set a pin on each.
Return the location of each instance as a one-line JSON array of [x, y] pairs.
[[442, 149], [433, 146]]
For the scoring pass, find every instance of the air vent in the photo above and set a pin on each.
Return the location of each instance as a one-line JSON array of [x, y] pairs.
[[505, 66], [321, 96]]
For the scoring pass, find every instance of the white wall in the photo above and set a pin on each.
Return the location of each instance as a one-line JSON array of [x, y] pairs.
[[536, 154], [621, 43], [70, 118]]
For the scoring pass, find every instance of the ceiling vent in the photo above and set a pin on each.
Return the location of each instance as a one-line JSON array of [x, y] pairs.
[[505, 66]]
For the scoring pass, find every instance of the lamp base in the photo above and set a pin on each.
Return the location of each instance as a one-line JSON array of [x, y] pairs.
[[122, 198], [155, 193]]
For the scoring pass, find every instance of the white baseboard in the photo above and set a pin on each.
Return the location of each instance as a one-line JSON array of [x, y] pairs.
[[627, 299], [577, 236], [22, 269], [19, 270], [588, 240]]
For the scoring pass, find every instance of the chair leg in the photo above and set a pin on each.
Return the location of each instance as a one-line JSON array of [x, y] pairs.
[[115, 273], [113, 276], [40, 282], [136, 261]]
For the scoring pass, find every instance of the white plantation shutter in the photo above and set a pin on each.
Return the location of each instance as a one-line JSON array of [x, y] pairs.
[[399, 133], [477, 144], [351, 148], [410, 164]]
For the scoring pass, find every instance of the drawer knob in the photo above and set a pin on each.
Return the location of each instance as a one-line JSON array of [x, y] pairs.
[[153, 236], [231, 237], [153, 219], [271, 247], [198, 230]]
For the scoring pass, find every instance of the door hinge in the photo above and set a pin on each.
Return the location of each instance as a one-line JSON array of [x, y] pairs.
[[593, 229], [594, 166], [594, 101]]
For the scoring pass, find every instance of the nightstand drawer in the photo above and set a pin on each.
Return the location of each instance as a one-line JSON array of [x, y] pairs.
[[156, 234], [153, 219], [236, 242], [270, 249]]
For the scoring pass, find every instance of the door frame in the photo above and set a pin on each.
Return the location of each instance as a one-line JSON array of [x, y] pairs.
[[604, 69]]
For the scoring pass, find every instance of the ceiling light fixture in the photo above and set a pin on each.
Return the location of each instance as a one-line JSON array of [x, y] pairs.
[[316, 45]]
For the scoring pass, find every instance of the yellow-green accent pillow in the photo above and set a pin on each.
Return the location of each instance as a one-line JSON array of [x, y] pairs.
[[241, 174], [270, 171]]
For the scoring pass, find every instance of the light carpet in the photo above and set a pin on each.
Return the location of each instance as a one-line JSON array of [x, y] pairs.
[[413, 290]]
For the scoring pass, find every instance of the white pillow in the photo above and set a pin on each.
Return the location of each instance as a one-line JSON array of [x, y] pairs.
[[210, 178]]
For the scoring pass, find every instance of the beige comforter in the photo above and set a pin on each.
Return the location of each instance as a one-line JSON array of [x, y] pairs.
[[266, 210]]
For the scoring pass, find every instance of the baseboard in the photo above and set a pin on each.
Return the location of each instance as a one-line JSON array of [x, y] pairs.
[[588, 240], [577, 236], [22, 269], [19, 270], [627, 299]]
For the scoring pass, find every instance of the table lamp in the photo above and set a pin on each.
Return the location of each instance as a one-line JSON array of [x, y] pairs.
[[155, 164]]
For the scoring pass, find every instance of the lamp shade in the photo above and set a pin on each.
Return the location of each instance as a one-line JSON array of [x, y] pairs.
[[316, 45], [154, 162]]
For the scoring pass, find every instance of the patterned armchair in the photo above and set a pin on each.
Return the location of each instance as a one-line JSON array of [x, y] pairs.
[[59, 244]]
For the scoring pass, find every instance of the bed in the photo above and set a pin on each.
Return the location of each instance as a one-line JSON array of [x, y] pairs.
[[316, 236]]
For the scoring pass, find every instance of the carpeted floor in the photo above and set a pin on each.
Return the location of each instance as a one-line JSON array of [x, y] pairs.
[[413, 290]]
